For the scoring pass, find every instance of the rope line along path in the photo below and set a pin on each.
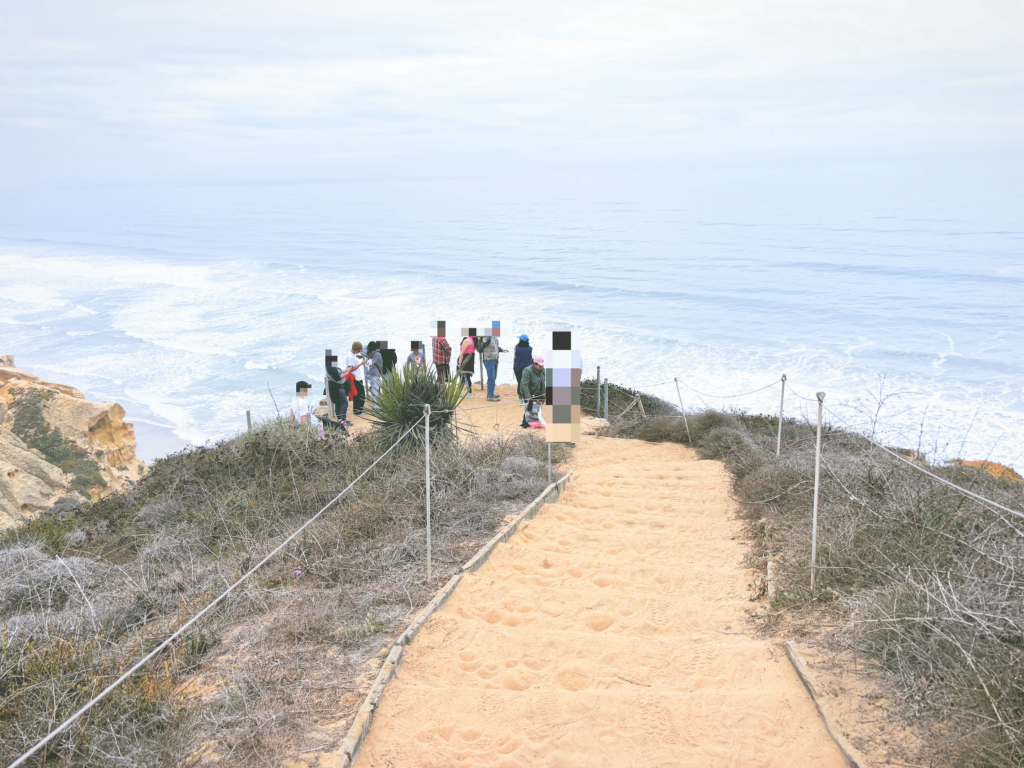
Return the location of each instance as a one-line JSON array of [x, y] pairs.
[[145, 659], [894, 454], [908, 462]]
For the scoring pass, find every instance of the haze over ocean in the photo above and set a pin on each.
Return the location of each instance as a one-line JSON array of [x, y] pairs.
[[197, 199]]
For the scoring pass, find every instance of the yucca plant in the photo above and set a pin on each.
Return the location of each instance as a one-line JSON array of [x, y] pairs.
[[399, 404]]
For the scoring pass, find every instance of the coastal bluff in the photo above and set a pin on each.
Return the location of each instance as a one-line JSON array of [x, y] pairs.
[[57, 448]]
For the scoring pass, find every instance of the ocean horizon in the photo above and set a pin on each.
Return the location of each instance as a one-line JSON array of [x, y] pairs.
[[190, 305]]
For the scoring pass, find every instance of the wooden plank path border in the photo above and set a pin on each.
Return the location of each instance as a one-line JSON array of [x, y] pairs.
[[853, 757], [392, 663]]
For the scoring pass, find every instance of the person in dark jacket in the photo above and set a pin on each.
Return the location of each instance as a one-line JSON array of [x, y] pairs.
[[523, 358], [389, 356], [337, 389]]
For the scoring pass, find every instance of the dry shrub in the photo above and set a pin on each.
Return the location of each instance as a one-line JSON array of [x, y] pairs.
[[84, 593], [927, 580]]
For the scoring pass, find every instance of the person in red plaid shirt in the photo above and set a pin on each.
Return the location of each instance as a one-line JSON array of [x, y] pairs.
[[442, 357]]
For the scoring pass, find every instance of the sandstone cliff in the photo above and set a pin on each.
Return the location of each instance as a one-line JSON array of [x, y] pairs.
[[58, 447]]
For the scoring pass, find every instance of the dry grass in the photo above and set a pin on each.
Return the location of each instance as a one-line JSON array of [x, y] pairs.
[[283, 662], [925, 580]]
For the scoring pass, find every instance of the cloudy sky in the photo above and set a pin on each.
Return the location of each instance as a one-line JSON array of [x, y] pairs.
[[218, 90]]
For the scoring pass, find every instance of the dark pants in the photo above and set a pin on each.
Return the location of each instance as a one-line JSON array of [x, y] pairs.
[[444, 373], [337, 394], [519, 379], [530, 412], [340, 404], [359, 401]]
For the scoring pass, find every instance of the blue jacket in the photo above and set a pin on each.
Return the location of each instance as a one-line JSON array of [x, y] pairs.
[[524, 356]]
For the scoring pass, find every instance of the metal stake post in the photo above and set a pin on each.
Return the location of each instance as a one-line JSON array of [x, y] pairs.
[[817, 475], [606, 399], [599, 391], [426, 424], [549, 463], [248, 420], [683, 411], [782, 402]]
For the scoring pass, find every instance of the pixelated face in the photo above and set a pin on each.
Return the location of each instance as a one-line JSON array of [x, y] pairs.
[[438, 328], [382, 345], [561, 340], [492, 328], [416, 346]]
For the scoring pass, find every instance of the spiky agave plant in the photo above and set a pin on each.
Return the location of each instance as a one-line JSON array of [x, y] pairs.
[[399, 403]]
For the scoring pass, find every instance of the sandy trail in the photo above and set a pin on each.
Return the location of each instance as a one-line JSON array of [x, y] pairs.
[[609, 631]]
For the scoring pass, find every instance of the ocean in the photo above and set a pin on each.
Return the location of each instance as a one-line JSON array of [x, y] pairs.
[[900, 298]]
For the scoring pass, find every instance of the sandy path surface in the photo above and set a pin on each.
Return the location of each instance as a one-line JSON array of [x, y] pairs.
[[609, 631], [476, 415]]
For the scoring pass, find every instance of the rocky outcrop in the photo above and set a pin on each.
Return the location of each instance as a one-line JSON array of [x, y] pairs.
[[55, 444]]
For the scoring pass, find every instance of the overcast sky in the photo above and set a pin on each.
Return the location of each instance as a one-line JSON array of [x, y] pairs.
[[185, 91]]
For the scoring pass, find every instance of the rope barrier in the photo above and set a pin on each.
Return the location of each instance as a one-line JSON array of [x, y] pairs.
[[944, 481], [142, 662], [730, 397]]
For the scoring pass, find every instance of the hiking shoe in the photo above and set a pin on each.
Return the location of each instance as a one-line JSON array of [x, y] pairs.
[[492, 398], [348, 423]]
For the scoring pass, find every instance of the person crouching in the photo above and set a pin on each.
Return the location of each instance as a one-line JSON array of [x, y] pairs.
[[532, 390]]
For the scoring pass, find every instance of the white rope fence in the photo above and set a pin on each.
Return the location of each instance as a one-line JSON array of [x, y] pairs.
[[783, 380], [142, 662]]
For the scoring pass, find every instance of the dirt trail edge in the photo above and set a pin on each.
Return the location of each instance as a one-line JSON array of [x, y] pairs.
[[608, 631]]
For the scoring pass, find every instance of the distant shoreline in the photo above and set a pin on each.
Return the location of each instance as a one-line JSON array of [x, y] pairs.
[[153, 441]]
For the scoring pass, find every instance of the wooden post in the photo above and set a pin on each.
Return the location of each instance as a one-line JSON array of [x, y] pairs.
[[683, 411], [248, 420], [599, 391], [817, 475], [426, 422], [782, 402], [330, 403]]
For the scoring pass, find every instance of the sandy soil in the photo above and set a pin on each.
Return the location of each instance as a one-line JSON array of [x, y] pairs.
[[476, 415], [610, 631]]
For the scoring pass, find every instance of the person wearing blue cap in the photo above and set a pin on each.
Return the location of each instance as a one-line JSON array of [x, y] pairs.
[[523, 358]]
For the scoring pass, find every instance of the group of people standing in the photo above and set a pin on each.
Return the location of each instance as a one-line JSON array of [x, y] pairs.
[[359, 378], [487, 347]]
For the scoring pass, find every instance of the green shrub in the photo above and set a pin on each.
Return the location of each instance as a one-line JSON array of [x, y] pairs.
[[399, 402]]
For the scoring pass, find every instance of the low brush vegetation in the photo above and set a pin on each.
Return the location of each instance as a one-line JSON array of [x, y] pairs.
[[279, 668], [923, 579]]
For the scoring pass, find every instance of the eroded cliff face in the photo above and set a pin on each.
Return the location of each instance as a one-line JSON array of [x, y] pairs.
[[56, 447]]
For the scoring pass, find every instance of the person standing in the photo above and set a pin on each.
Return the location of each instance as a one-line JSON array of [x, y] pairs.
[[354, 364], [489, 350], [416, 357], [523, 358], [532, 390], [389, 355], [337, 389], [467, 361], [374, 369], [442, 357]]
